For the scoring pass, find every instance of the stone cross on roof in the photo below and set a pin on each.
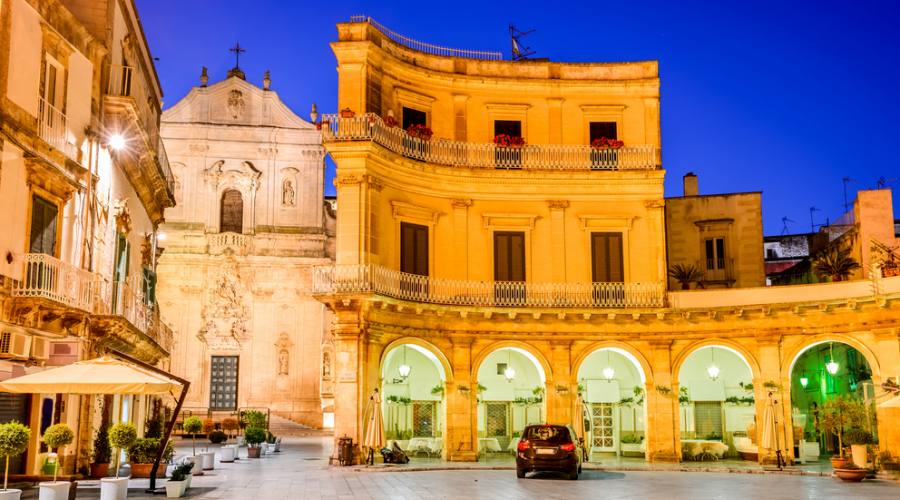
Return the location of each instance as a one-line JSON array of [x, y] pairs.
[[236, 71]]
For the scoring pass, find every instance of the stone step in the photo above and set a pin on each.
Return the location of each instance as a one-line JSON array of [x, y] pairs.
[[283, 427]]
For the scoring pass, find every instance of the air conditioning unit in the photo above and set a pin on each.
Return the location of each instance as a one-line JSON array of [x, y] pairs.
[[40, 348], [14, 344]]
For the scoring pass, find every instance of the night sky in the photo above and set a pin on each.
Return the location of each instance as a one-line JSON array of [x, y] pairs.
[[787, 97]]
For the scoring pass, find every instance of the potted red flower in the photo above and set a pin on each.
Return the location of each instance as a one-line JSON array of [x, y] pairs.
[[390, 121], [419, 131], [508, 141], [604, 143], [347, 113]]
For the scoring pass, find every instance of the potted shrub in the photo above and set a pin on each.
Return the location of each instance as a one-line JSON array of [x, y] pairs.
[[13, 441], [851, 473], [631, 444], [254, 436], [102, 454], [121, 437], [142, 454], [859, 440], [230, 426], [177, 483], [837, 416], [56, 437], [217, 437], [193, 425]]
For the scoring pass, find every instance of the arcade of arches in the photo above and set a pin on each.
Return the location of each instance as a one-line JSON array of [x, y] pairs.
[[664, 387]]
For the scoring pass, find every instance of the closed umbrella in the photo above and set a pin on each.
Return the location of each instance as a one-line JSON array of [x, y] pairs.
[[374, 437], [579, 417], [770, 429]]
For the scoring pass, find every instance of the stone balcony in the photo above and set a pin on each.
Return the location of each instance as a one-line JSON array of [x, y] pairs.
[[366, 279], [553, 157], [131, 111], [59, 297]]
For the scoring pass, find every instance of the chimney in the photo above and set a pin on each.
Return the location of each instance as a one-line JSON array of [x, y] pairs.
[[690, 184]]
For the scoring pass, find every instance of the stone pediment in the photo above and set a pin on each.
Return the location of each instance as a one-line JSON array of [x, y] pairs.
[[234, 101]]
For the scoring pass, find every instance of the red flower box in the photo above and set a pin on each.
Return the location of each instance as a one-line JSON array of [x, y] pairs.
[[420, 131], [391, 121], [604, 143], [508, 141]]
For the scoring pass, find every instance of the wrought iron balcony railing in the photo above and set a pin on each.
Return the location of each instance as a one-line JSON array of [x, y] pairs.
[[370, 127], [428, 48], [50, 278], [336, 280], [53, 129]]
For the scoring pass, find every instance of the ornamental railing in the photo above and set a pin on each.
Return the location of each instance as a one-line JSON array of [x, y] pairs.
[[53, 129], [425, 47], [125, 299], [370, 127], [50, 278], [336, 280]]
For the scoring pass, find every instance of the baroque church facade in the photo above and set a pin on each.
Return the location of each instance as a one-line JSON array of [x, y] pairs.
[[240, 244]]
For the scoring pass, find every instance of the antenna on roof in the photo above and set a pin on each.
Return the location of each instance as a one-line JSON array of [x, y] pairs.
[[519, 52], [883, 182], [785, 229], [847, 180], [812, 223]]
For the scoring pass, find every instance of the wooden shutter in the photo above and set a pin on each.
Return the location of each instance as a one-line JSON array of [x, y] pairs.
[[509, 256], [43, 227], [232, 212], [599, 130], [606, 258], [413, 249]]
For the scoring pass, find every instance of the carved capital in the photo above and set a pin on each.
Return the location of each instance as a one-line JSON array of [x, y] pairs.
[[347, 180], [654, 204], [461, 203], [558, 204]]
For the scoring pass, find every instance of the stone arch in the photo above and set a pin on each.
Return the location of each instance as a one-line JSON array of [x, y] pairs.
[[735, 347], [443, 362], [790, 357], [525, 348], [629, 351]]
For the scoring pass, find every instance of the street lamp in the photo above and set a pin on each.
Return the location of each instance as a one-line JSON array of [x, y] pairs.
[[117, 142], [404, 368], [609, 372], [804, 381], [831, 365], [509, 372]]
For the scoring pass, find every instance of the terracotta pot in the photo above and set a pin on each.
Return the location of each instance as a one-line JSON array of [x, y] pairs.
[[99, 470], [851, 475], [838, 462], [253, 451], [143, 470]]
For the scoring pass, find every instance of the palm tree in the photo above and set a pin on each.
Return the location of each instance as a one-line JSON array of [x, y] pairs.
[[835, 263], [685, 274]]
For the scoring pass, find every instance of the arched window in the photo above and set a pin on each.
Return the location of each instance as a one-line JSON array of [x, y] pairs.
[[232, 212]]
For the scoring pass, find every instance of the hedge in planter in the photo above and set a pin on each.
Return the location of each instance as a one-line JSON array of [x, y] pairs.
[[55, 437], [102, 453], [121, 437], [254, 436], [217, 437], [13, 441], [143, 452]]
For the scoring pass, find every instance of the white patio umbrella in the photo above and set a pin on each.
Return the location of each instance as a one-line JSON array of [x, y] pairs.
[[374, 436], [122, 375], [894, 402], [769, 437]]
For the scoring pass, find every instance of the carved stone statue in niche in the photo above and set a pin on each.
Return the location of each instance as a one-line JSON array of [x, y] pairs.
[[326, 365], [287, 193], [236, 103], [147, 251], [283, 347]]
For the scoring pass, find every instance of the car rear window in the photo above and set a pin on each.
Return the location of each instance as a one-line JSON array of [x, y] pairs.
[[552, 434]]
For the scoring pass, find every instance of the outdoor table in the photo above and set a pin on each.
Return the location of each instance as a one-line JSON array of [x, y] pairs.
[[489, 444]]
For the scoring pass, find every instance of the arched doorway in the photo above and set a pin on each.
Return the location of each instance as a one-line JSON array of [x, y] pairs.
[[413, 388], [611, 403], [510, 385], [717, 407], [832, 401]]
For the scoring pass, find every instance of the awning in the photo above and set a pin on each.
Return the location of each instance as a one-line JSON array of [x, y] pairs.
[[104, 375], [894, 402]]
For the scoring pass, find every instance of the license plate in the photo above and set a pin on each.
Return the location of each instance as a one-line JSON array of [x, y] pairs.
[[546, 451]]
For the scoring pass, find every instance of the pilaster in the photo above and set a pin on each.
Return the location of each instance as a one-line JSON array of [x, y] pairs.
[[557, 393], [663, 426], [558, 239], [462, 416]]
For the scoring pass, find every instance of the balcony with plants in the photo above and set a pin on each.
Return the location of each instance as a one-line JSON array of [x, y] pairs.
[[505, 152]]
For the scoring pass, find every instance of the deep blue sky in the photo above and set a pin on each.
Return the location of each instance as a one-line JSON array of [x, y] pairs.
[[786, 97]]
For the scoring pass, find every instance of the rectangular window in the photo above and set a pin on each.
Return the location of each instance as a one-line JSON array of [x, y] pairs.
[[708, 419], [423, 418], [607, 264], [120, 274], [413, 249], [413, 117], [43, 226], [509, 256], [598, 130], [149, 286], [223, 384], [715, 253], [509, 127]]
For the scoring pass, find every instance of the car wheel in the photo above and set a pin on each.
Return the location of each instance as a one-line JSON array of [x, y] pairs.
[[520, 473]]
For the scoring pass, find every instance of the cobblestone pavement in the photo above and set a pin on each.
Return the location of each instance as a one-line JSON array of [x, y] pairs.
[[301, 472]]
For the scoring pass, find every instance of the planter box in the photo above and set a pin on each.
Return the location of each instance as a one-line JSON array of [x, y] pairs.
[[99, 470], [860, 454], [54, 490], [851, 475], [197, 462], [227, 454], [10, 494], [176, 489], [631, 449], [253, 452], [144, 470], [208, 460], [112, 488]]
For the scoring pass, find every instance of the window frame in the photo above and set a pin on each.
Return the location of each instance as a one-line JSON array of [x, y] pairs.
[[236, 383]]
